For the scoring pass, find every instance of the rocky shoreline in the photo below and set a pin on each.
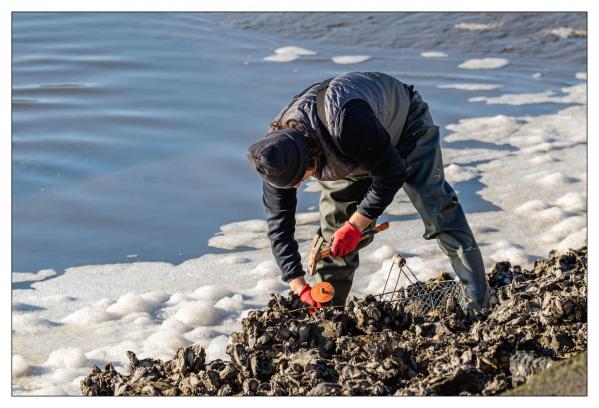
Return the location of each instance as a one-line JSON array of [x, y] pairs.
[[371, 347]]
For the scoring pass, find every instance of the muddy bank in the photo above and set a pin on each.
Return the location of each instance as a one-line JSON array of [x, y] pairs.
[[538, 317], [568, 377]]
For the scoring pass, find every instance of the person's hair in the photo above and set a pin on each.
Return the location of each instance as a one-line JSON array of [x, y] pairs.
[[314, 148]]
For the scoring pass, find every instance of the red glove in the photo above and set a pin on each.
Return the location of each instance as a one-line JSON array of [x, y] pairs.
[[345, 239], [306, 298]]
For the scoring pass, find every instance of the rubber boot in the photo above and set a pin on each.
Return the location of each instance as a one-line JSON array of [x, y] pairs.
[[468, 266]]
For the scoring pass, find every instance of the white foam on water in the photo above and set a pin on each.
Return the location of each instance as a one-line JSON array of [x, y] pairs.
[[542, 159], [553, 179], [565, 128], [433, 54], [401, 205], [249, 226], [200, 333], [484, 63], [164, 342], [477, 26], [65, 375], [551, 214], [382, 253], [425, 249], [233, 304], [52, 390], [573, 201], [350, 59], [129, 303], [252, 233], [455, 173], [36, 276], [495, 128], [573, 241], [210, 292], [563, 229], [266, 269], [177, 298], [19, 366], [200, 314], [172, 323], [470, 87], [240, 239], [304, 218], [265, 286], [49, 301], [217, 348], [513, 255], [581, 75], [294, 50], [536, 75], [70, 357], [137, 318], [530, 207], [88, 315], [287, 54], [572, 94], [566, 32], [570, 225], [234, 260], [30, 323]]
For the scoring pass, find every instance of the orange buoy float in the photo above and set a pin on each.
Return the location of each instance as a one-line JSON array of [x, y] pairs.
[[323, 292]]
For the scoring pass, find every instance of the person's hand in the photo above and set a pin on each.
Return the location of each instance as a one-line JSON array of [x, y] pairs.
[[297, 284], [345, 239], [306, 298]]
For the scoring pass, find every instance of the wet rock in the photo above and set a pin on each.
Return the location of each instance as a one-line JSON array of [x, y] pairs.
[[373, 347], [250, 386], [326, 389]]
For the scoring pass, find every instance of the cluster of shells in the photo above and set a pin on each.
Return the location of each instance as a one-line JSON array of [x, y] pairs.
[[372, 347]]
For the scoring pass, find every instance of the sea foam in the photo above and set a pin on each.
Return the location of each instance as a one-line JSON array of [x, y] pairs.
[[484, 63]]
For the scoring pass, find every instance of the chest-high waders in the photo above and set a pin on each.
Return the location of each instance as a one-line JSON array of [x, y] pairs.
[[434, 199]]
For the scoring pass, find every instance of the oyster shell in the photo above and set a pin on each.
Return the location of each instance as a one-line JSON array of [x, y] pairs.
[[374, 347]]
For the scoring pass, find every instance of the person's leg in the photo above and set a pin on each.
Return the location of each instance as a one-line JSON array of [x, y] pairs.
[[443, 216], [338, 201]]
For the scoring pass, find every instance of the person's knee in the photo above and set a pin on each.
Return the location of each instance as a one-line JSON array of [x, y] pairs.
[[454, 243]]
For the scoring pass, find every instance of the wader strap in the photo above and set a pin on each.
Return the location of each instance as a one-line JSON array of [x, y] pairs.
[[321, 90], [404, 107]]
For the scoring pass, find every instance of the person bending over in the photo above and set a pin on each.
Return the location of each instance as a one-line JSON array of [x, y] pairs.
[[363, 136]]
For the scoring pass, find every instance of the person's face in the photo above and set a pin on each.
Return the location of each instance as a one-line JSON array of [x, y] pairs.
[[308, 174]]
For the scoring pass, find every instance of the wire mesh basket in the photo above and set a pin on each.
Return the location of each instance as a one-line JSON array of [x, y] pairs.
[[421, 297]]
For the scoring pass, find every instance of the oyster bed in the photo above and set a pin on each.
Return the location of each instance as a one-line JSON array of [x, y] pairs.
[[381, 348]]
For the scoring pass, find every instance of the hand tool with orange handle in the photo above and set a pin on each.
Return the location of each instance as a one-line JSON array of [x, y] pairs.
[[316, 253]]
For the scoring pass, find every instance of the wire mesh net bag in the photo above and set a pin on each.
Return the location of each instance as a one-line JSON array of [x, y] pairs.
[[420, 297]]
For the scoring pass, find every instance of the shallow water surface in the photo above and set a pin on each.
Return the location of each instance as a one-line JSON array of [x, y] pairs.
[[130, 129]]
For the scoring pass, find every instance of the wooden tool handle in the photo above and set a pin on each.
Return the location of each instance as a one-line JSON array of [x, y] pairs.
[[374, 230]]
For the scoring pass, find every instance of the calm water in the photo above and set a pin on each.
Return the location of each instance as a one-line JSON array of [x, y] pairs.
[[130, 130]]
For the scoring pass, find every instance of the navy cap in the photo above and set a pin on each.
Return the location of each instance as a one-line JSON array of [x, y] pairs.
[[281, 158]]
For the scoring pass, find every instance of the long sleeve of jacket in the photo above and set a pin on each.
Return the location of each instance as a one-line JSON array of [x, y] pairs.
[[364, 139], [280, 204]]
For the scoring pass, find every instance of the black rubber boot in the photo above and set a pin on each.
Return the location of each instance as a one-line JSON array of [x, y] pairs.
[[469, 267]]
